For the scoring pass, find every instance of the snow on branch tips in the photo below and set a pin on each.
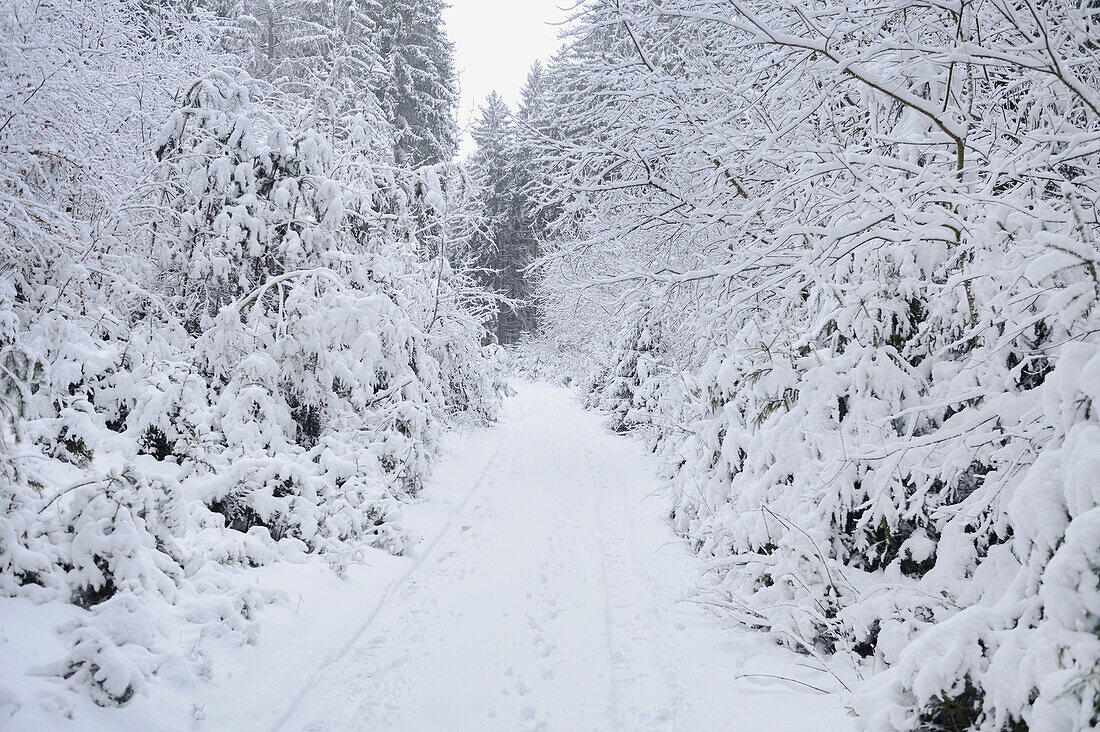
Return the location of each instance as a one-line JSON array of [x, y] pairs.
[[223, 342], [849, 254]]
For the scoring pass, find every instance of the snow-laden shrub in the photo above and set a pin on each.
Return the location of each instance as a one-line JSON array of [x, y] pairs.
[[312, 321], [628, 391], [872, 235], [886, 487], [559, 360], [220, 347], [1025, 645], [122, 558]]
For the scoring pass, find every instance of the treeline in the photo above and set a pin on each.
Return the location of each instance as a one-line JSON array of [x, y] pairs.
[[848, 254], [506, 223], [229, 332]]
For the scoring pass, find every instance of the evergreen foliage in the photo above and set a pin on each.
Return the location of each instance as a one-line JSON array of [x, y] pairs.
[[418, 91], [628, 390], [502, 246]]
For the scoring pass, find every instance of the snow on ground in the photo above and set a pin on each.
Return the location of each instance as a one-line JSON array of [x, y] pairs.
[[547, 594]]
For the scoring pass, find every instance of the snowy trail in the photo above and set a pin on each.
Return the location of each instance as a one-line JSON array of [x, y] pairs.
[[552, 599]]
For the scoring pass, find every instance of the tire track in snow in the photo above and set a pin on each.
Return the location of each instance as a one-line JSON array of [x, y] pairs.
[[623, 600], [570, 618], [389, 592], [601, 529]]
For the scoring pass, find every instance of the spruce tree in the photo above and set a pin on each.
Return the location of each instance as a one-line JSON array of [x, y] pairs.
[[630, 389], [419, 89], [532, 177], [505, 248]]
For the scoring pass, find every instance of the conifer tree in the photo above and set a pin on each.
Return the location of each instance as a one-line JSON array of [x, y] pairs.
[[533, 121], [505, 247], [419, 87], [629, 390]]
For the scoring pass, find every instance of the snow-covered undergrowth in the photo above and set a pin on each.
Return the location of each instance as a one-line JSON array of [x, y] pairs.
[[865, 341], [558, 361], [224, 342]]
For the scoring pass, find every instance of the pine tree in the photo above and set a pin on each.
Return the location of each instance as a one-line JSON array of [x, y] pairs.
[[534, 125], [419, 89], [490, 164], [629, 390], [505, 247], [321, 55]]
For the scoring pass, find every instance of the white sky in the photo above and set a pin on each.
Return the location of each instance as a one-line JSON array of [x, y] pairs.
[[496, 41]]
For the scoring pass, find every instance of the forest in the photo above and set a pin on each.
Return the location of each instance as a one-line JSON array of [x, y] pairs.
[[834, 266]]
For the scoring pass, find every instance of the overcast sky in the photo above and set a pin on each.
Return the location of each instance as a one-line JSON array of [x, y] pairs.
[[496, 41]]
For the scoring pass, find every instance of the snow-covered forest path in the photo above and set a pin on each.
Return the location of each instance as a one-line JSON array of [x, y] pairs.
[[553, 598]]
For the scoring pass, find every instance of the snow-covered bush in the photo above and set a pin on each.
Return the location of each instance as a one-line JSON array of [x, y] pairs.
[[297, 321], [878, 422], [628, 391], [558, 359], [221, 345]]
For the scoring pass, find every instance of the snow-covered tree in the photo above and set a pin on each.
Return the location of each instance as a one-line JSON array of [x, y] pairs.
[[503, 247], [221, 342], [872, 232], [628, 390], [266, 256], [418, 91]]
